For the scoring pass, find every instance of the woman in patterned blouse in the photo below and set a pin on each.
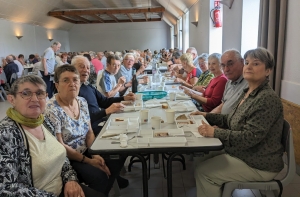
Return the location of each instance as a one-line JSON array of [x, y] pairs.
[[251, 132], [69, 115]]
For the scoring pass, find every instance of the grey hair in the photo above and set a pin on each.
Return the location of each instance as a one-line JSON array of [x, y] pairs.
[[262, 55], [237, 54], [203, 56], [192, 49], [129, 54], [56, 43], [216, 56], [34, 79], [92, 54], [77, 57]]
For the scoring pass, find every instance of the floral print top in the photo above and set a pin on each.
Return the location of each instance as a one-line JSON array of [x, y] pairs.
[[73, 131]]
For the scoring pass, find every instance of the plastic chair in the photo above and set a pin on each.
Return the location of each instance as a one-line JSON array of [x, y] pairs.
[[13, 77], [98, 80], [270, 188]]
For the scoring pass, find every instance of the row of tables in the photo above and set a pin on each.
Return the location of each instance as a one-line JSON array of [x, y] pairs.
[[194, 145]]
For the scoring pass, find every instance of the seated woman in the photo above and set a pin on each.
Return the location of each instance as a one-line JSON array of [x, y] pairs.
[[70, 118], [206, 75], [213, 93], [33, 162], [251, 133], [192, 72]]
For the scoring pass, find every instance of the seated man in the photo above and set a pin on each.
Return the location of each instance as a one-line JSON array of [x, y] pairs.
[[32, 59], [232, 64], [126, 69], [99, 105], [108, 85], [10, 68]]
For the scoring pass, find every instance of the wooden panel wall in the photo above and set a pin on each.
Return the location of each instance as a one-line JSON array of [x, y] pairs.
[[291, 113]]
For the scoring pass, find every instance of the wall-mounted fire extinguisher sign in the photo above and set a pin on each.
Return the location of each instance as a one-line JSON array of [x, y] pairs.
[[216, 17]]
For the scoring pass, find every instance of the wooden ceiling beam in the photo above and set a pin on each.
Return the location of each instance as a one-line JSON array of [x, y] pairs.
[[146, 16], [65, 19], [113, 17], [102, 11], [98, 18], [120, 21], [129, 16], [82, 19]]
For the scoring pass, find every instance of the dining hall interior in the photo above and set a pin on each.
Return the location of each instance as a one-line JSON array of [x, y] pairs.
[[31, 26]]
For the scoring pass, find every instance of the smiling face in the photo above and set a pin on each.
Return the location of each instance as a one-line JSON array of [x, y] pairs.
[[128, 61], [113, 67], [32, 107], [83, 67], [68, 85], [214, 66], [255, 70]]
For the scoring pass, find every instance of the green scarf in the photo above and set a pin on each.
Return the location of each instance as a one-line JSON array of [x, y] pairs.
[[19, 118]]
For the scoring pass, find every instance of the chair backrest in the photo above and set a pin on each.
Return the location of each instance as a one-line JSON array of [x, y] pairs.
[[288, 144], [98, 79], [13, 77]]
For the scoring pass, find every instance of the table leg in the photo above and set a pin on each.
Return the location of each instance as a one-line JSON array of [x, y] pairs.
[[169, 172], [145, 176]]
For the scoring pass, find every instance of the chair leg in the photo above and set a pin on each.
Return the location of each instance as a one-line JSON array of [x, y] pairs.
[[163, 163], [116, 189]]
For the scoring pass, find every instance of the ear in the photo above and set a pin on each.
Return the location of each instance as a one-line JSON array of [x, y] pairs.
[[56, 86], [11, 99], [268, 72]]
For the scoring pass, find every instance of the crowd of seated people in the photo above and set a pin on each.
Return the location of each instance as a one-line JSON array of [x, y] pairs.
[[242, 109]]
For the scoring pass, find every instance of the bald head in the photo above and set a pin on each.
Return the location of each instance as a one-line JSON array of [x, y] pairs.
[[9, 59]]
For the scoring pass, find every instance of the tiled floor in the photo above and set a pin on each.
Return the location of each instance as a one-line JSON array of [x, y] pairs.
[[183, 180]]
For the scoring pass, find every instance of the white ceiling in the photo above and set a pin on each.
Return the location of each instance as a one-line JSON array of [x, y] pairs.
[[35, 11]]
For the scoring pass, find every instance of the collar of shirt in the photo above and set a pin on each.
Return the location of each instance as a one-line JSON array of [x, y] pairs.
[[254, 92], [239, 80], [85, 83]]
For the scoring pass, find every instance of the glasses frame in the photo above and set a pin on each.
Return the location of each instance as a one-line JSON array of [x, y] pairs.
[[29, 98]]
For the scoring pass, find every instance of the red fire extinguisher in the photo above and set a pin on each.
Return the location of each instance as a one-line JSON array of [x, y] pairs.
[[216, 19]]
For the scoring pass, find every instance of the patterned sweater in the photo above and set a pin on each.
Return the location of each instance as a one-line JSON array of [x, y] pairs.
[[16, 166], [252, 132]]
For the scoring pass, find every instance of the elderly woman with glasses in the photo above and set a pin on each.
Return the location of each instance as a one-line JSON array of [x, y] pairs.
[[192, 71], [251, 132], [33, 162], [70, 118], [213, 93]]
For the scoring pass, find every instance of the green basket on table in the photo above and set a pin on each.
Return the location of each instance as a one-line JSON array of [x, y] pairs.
[[147, 95]]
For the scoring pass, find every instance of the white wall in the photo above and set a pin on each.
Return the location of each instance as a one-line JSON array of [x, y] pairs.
[[291, 72], [199, 36], [100, 37], [232, 26], [35, 39]]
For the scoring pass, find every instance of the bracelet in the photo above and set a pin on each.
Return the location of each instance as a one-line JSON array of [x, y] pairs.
[[83, 157]]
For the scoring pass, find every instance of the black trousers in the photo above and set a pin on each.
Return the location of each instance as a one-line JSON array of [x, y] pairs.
[[50, 84], [96, 178], [88, 192]]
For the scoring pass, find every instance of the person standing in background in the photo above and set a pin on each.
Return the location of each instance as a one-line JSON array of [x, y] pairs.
[[48, 62]]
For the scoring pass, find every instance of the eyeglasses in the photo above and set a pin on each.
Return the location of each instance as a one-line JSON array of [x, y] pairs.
[[27, 94], [229, 64], [129, 60], [68, 81]]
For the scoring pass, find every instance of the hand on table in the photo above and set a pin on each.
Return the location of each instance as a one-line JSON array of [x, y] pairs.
[[115, 107], [206, 130], [178, 80], [73, 189], [199, 113], [199, 88], [129, 97]]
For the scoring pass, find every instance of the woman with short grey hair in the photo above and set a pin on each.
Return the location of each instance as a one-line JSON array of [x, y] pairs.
[[251, 133]]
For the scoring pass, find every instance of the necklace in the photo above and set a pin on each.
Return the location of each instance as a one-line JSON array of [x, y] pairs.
[[70, 109]]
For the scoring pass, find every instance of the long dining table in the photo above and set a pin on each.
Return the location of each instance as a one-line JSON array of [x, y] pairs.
[[141, 138]]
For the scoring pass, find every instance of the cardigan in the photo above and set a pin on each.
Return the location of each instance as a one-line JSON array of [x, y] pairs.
[[15, 162]]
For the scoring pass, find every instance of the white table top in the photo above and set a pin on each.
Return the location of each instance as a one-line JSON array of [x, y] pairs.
[[104, 145]]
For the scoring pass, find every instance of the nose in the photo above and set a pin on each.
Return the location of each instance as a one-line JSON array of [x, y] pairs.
[[34, 97]]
